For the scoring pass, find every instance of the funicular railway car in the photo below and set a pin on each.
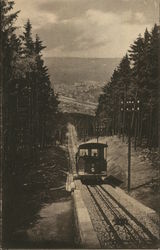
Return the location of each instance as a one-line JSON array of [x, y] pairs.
[[91, 161]]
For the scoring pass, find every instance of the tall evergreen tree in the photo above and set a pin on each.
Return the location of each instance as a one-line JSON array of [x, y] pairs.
[[10, 46], [137, 77], [48, 103], [153, 87], [9, 49], [27, 97], [28, 43]]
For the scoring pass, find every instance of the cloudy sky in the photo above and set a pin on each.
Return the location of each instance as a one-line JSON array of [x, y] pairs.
[[88, 28]]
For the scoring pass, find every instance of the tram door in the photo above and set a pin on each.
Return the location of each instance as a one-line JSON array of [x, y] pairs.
[[81, 161]]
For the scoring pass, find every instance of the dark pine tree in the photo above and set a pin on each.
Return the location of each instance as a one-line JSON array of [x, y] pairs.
[[47, 101], [9, 50], [153, 86], [28, 43]]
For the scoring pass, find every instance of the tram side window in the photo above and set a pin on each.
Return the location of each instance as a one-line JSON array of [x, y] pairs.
[[83, 152], [94, 152]]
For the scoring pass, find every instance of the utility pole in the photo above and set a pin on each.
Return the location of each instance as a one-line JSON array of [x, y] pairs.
[[129, 106], [97, 129], [129, 151]]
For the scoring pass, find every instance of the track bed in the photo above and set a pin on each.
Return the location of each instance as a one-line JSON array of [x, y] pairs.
[[115, 225]]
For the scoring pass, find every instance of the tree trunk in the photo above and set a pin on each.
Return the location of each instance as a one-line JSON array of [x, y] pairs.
[[135, 133]]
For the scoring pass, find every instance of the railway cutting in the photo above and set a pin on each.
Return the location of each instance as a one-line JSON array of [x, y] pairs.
[[116, 225]]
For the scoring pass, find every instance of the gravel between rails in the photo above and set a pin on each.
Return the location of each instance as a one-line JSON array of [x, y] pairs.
[[148, 217], [115, 228]]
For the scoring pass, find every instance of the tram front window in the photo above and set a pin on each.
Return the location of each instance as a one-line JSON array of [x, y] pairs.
[[94, 152], [83, 152]]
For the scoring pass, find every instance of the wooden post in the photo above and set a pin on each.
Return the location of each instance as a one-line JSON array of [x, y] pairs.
[[135, 133], [97, 133], [130, 106], [129, 153]]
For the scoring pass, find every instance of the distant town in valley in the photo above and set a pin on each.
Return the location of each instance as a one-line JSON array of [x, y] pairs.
[[81, 80]]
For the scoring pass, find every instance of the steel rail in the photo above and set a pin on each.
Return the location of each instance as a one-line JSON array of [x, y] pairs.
[[147, 232], [117, 238], [118, 215]]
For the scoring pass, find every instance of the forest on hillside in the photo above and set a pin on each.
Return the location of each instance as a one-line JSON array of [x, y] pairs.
[[130, 100], [30, 105]]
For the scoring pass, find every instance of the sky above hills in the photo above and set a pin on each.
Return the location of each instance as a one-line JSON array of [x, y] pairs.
[[88, 28]]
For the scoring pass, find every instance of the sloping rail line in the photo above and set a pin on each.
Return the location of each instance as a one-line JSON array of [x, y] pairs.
[[138, 234], [121, 219], [147, 232], [118, 239]]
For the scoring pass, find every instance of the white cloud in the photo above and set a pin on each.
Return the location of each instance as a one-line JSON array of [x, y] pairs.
[[126, 16], [115, 32], [101, 18], [139, 16], [96, 33], [102, 34], [37, 18], [42, 20]]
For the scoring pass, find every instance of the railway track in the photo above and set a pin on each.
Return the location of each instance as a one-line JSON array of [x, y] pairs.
[[122, 229]]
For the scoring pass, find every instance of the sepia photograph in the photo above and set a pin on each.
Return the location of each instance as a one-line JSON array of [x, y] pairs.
[[79, 124]]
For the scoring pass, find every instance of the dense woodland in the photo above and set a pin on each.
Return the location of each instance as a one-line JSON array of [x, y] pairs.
[[29, 104], [129, 102]]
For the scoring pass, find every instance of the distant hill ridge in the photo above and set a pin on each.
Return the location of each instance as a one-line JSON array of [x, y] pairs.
[[75, 69]]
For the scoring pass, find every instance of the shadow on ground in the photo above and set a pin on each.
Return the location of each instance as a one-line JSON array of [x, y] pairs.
[[28, 196], [110, 180]]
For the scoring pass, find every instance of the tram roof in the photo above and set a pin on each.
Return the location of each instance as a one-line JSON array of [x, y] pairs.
[[92, 145]]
